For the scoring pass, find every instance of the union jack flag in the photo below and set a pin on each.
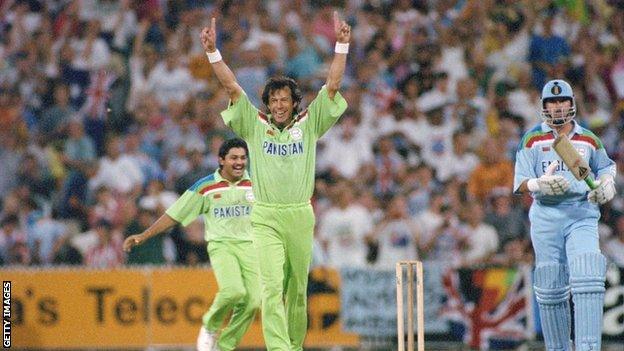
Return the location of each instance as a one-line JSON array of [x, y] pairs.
[[98, 94], [489, 308]]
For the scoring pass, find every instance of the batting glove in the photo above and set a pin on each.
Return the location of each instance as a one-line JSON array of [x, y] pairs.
[[549, 184], [604, 192]]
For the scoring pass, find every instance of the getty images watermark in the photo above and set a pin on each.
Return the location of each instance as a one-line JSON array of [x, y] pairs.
[[6, 314]]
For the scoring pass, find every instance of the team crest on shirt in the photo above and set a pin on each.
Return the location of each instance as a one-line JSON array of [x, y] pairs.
[[249, 196], [296, 133]]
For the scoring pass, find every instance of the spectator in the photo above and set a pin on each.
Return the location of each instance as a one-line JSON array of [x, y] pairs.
[[79, 148], [348, 139], [79, 157], [442, 237], [617, 74], [169, 81], [343, 229], [614, 248], [153, 250], [190, 243], [149, 167], [212, 159], [481, 239], [55, 118], [90, 51], [452, 56], [390, 168], [493, 171], [10, 157], [156, 197], [523, 100], [437, 139], [118, 24], [420, 184], [36, 178], [508, 220], [106, 207], [252, 72], [46, 239], [396, 236], [12, 250], [117, 171], [263, 31], [182, 131], [372, 205], [302, 61], [459, 162], [547, 50], [196, 170], [67, 254], [515, 253], [107, 250], [142, 62]]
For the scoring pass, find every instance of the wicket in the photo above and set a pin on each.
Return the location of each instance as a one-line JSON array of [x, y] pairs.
[[410, 265]]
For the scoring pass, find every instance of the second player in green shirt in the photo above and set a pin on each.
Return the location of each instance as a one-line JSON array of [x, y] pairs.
[[224, 199]]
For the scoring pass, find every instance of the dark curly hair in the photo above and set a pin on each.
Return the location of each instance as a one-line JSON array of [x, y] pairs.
[[276, 83], [230, 144]]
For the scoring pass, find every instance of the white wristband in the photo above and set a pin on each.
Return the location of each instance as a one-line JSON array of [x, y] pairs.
[[533, 185], [341, 48], [214, 57]]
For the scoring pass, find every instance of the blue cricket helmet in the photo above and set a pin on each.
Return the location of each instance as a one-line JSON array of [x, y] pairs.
[[558, 89]]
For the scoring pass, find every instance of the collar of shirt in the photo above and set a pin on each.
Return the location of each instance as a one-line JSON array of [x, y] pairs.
[[296, 118], [219, 178], [288, 126], [576, 130]]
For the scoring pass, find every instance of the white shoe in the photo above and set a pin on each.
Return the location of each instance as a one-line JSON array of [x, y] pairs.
[[206, 341]]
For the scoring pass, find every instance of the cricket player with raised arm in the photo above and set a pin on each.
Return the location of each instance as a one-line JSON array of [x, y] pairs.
[[225, 199], [282, 148], [564, 222]]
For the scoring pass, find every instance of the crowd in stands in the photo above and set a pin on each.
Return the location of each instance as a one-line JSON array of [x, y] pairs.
[[109, 111]]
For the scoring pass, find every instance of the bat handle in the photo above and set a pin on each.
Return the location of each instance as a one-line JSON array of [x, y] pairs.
[[589, 180]]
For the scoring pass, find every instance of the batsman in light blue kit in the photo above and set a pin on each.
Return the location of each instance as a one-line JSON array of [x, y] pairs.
[[564, 222]]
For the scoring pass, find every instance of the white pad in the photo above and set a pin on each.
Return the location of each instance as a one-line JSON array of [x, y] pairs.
[[553, 298], [587, 277]]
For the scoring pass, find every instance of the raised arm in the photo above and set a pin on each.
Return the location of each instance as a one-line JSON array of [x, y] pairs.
[[139, 38], [337, 68], [222, 71]]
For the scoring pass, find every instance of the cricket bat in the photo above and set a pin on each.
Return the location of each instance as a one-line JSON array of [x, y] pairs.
[[573, 160]]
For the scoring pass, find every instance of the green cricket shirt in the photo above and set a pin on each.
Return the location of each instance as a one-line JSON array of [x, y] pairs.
[[283, 161], [226, 207]]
